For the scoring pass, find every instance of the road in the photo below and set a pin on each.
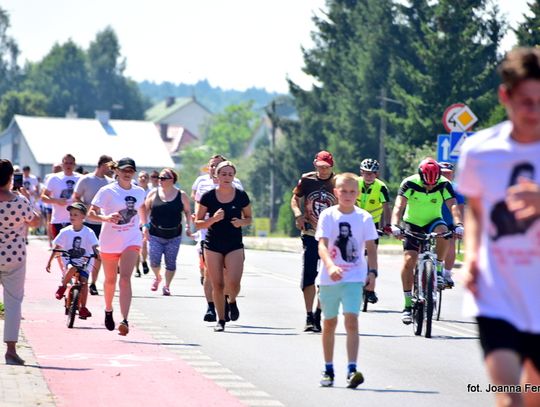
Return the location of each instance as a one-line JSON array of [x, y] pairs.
[[265, 358]]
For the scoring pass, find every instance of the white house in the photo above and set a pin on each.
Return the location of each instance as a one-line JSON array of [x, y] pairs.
[[41, 142]]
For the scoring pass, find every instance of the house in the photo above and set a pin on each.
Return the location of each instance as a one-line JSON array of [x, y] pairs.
[[41, 142], [173, 114]]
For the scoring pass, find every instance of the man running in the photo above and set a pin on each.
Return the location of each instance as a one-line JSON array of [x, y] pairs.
[[316, 190], [419, 202]]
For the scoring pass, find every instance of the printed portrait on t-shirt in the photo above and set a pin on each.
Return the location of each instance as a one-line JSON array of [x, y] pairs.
[[76, 250], [316, 202], [26, 185], [129, 212], [346, 243], [504, 221], [66, 193]]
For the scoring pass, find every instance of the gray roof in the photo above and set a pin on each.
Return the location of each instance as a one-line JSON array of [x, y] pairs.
[[50, 138]]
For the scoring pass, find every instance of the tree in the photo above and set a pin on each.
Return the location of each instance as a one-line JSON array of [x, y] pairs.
[[528, 32], [63, 76], [24, 103], [9, 51]]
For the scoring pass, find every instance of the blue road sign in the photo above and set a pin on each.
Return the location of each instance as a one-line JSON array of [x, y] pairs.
[[444, 148], [456, 141]]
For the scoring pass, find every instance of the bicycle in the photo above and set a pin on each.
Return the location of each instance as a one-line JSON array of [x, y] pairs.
[[72, 298], [426, 299]]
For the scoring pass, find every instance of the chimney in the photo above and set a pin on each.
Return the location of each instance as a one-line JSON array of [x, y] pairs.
[[169, 101], [103, 116], [71, 113]]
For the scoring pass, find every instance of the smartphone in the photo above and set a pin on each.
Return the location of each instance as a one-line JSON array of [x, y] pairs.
[[17, 181]]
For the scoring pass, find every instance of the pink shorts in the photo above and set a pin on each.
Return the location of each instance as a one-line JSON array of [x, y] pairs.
[[116, 256]]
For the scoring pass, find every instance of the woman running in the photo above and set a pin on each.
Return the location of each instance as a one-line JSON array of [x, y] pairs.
[[229, 209], [120, 206], [165, 206]]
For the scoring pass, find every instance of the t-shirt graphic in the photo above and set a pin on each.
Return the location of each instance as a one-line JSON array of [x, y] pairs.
[[316, 202], [346, 243], [76, 251], [505, 221], [129, 212], [66, 193]]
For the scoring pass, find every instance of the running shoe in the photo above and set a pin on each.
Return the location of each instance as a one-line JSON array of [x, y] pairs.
[[123, 328], [60, 292], [109, 321], [155, 284], [406, 315], [227, 311], [210, 315], [93, 289], [220, 326], [309, 324], [371, 297], [354, 379], [317, 322], [202, 280], [84, 313], [235, 312], [166, 291], [137, 273], [145, 267], [440, 281], [448, 282], [327, 379]]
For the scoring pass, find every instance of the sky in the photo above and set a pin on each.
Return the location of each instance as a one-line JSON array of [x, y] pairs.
[[234, 44]]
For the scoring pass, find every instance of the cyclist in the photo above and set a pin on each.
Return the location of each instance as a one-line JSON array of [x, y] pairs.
[[375, 199], [447, 170], [419, 201]]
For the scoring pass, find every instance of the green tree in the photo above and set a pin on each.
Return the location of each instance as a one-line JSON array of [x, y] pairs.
[[63, 76], [9, 51], [528, 32], [23, 103]]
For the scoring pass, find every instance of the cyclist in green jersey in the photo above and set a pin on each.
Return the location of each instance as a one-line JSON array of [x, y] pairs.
[[373, 198], [418, 205]]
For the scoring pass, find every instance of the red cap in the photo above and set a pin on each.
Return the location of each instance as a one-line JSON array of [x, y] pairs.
[[324, 158]]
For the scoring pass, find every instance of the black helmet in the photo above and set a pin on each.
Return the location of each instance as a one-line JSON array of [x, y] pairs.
[[369, 164]]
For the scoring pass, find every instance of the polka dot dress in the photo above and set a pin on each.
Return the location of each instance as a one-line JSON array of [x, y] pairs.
[[13, 215]]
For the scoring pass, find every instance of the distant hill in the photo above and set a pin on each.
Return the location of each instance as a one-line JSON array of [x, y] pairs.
[[215, 99]]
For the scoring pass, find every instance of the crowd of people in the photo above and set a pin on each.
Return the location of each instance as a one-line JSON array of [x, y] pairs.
[[127, 218]]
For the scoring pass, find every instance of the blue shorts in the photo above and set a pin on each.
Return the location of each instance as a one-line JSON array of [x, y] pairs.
[[168, 248], [347, 294]]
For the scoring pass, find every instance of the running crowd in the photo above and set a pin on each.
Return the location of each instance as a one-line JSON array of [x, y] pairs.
[[126, 219]]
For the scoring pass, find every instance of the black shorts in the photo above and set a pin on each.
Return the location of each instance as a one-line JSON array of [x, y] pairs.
[[96, 227], [222, 247], [310, 261], [410, 243], [498, 334]]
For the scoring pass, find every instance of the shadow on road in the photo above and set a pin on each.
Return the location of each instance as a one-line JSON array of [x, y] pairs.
[[396, 391], [439, 337], [232, 329], [164, 343], [76, 369]]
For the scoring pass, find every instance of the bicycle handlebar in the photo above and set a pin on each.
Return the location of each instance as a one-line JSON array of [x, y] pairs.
[[426, 236], [66, 253]]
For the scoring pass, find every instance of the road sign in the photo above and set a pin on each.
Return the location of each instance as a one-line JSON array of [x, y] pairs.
[[458, 117], [456, 141], [443, 147]]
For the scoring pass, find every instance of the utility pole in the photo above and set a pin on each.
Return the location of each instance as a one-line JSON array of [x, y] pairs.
[[382, 135], [273, 121]]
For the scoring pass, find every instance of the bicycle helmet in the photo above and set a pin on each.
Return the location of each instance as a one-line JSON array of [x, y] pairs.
[[429, 171], [369, 164]]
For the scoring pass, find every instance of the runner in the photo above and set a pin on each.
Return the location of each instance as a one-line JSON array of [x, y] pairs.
[[120, 206], [316, 189], [229, 209], [85, 190], [165, 206], [419, 201], [375, 199], [499, 174], [142, 180], [47, 207]]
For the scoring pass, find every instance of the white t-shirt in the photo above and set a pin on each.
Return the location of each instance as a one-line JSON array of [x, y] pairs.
[[78, 243], [346, 234], [31, 184], [114, 238], [61, 186], [509, 263]]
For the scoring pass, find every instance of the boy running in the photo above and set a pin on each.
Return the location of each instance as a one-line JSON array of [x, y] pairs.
[[79, 240], [344, 231]]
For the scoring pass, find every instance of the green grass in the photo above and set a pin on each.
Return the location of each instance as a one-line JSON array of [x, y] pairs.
[[1, 309]]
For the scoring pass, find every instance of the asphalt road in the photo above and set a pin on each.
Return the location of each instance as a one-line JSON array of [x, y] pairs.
[[268, 352]]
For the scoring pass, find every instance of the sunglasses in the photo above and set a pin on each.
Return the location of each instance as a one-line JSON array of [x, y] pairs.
[[163, 178], [154, 176]]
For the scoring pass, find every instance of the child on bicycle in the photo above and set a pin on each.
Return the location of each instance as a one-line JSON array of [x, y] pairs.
[[344, 231], [78, 240]]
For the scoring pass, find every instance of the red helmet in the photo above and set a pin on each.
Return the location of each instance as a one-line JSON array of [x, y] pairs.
[[429, 171]]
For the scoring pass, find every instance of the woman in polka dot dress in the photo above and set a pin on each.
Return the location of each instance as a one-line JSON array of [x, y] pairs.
[[16, 215]]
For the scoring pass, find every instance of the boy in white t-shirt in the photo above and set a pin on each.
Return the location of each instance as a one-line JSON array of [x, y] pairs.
[[79, 240], [499, 174], [344, 232]]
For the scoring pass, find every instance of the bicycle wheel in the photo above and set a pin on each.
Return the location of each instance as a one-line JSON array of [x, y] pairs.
[[429, 271], [73, 306], [417, 306], [439, 303]]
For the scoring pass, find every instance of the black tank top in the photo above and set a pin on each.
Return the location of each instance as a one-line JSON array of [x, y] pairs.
[[166, 217]]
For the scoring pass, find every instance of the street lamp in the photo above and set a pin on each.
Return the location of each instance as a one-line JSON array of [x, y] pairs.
[[382, 130]]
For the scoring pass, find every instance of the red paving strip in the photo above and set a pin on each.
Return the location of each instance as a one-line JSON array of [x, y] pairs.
[[88, 365]]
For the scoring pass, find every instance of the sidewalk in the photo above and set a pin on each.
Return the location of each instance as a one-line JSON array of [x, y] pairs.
[[88, 365]]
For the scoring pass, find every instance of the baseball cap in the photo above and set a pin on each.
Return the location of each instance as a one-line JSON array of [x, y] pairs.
[[127, 163], [324, 158], [78, 205]]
